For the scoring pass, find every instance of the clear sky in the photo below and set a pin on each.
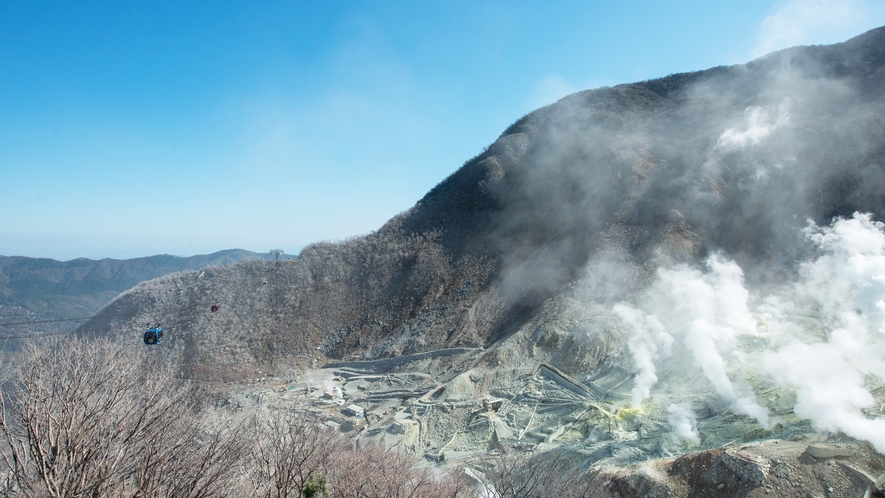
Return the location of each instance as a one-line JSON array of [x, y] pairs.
[[132, 128]]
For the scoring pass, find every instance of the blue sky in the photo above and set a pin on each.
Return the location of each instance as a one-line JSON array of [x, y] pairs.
[[136, 128]]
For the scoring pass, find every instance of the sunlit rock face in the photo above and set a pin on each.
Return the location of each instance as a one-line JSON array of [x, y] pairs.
[[638, 271]]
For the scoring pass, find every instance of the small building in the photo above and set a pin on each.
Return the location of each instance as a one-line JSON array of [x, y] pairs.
[[353, 411]]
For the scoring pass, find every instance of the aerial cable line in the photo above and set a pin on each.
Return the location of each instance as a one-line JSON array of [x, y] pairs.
[[35, 336], [61, 319], [49, 334]]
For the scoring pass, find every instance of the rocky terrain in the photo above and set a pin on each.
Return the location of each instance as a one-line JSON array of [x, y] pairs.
[[805, 467], [677, 283]]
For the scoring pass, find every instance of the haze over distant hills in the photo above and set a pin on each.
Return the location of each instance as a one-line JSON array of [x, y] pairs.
[[629, 273], [37, 289]]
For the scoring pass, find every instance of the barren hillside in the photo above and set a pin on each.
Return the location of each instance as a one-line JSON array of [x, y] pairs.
[[40, 295], [632, 272]]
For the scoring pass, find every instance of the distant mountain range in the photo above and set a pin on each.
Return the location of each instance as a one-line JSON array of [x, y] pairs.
[[38, 290]]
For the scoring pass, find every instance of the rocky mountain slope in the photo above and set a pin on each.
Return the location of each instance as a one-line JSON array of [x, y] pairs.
[[606, 185], [687, 263]]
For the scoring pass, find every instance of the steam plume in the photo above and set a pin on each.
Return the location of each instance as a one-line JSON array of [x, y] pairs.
[[832, 373], [684, 422]]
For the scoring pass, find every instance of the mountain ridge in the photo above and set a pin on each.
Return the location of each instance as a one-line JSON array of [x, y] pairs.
[[623, 177], [38, 289], [669, 267]]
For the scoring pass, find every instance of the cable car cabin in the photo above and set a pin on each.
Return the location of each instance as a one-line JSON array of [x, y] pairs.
[[154, 335]]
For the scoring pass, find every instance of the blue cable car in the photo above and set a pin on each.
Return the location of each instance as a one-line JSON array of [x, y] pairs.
[[154, 335]]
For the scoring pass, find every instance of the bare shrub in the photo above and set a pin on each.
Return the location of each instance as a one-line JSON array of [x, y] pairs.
[[294, 455], [97, 419], [291, 454], [378, 472], [552, 474]]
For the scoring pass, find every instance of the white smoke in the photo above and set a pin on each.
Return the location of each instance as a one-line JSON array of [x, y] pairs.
[[802, 22], [851, 275], [831, 375], [684, 422], [707, 311], [759, 124], [650, 343], [716, 302], [831, 369]]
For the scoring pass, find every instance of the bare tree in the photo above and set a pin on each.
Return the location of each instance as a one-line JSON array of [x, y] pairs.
[[93, 418], [98, 419], [290, 450], [378, 472], [552, 474], [294, 455]]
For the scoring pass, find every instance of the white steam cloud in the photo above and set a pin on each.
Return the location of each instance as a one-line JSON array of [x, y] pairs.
[[852, 273], [651, 342], [707, 311], [550, 89], [684, 422], [759, 124], [847, 285], [716, 305], [832, 370], [803, 22]]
